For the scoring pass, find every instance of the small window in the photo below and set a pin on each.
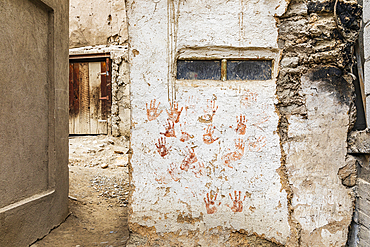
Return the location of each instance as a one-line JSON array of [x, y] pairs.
[[249, 70], [224, 69], [198, 70]]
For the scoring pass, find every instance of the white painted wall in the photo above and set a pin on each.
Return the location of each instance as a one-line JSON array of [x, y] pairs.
[[160, 32]]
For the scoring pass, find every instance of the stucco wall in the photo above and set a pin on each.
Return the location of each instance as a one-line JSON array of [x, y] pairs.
[[286, 164], [185, 182], [34, 119]]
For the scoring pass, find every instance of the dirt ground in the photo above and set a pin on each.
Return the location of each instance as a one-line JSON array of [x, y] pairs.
[[98, 195]]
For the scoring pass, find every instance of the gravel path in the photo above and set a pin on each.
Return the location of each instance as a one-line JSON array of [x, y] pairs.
[[98, 197]]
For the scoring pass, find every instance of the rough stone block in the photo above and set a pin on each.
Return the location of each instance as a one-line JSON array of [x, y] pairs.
[[367, 75], [289, 62], [296, 9], [364, 219], [367, 110], [367, 41], [364, 167], [359, 142], [125, 117], [364, 237], [348, 173], [363, 188], [366, 11]]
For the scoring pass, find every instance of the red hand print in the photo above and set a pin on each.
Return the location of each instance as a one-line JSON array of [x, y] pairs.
[[209, 204], [241, 128], [189, 159], [151, 112], [210, 112], [256, 145], [200, 172], [175, 113], [237, 202], [170, 129], [239, 144], [184, 135], [248, 98], [207, 137], [236, 155], [161, 146], [191, 103], [174, 172], [161, 179]]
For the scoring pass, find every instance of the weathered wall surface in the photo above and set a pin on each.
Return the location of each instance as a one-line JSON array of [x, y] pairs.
[[316, 110], [33, 119], [206, 154], [97, 23], [215, 162]]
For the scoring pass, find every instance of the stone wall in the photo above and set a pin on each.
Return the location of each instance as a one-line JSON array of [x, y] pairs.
[[316, 113]]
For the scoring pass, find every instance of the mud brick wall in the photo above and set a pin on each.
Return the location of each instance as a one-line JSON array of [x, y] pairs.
[[242, 162]]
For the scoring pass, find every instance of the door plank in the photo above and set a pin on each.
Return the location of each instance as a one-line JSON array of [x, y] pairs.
[[76, 94], [84, 100], [95, 78], [103, 122], [70, 98], [109, 87]]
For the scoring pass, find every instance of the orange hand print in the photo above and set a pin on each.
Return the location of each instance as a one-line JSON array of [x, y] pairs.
[[210, 112], [207, 137], [189, 159], [175, 113], [236, 155], [248, 99], [161, 146], [241, 128], [200, 171], [256, 144], [191, 103], [170, 129], [174, 172], [161, 179], [151, 112], [211, 209], [262, 118], [237, 202], [184, 135]]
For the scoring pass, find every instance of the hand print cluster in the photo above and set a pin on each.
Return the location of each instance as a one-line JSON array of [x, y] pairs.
[[236, 207], [173, 117]]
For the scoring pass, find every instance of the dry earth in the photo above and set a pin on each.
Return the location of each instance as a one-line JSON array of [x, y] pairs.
[[98, 195]]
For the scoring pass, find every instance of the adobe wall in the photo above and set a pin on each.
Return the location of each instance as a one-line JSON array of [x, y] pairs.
[[34, 119], [97, 22], [239, 163]]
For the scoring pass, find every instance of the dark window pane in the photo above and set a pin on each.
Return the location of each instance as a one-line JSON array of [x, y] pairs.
[[249, 70], [198, 70]]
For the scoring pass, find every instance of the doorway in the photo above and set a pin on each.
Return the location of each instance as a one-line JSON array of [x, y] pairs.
[[90, 93]]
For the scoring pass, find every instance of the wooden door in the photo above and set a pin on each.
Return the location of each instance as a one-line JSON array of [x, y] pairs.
[[89, 97], [33, 119]]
